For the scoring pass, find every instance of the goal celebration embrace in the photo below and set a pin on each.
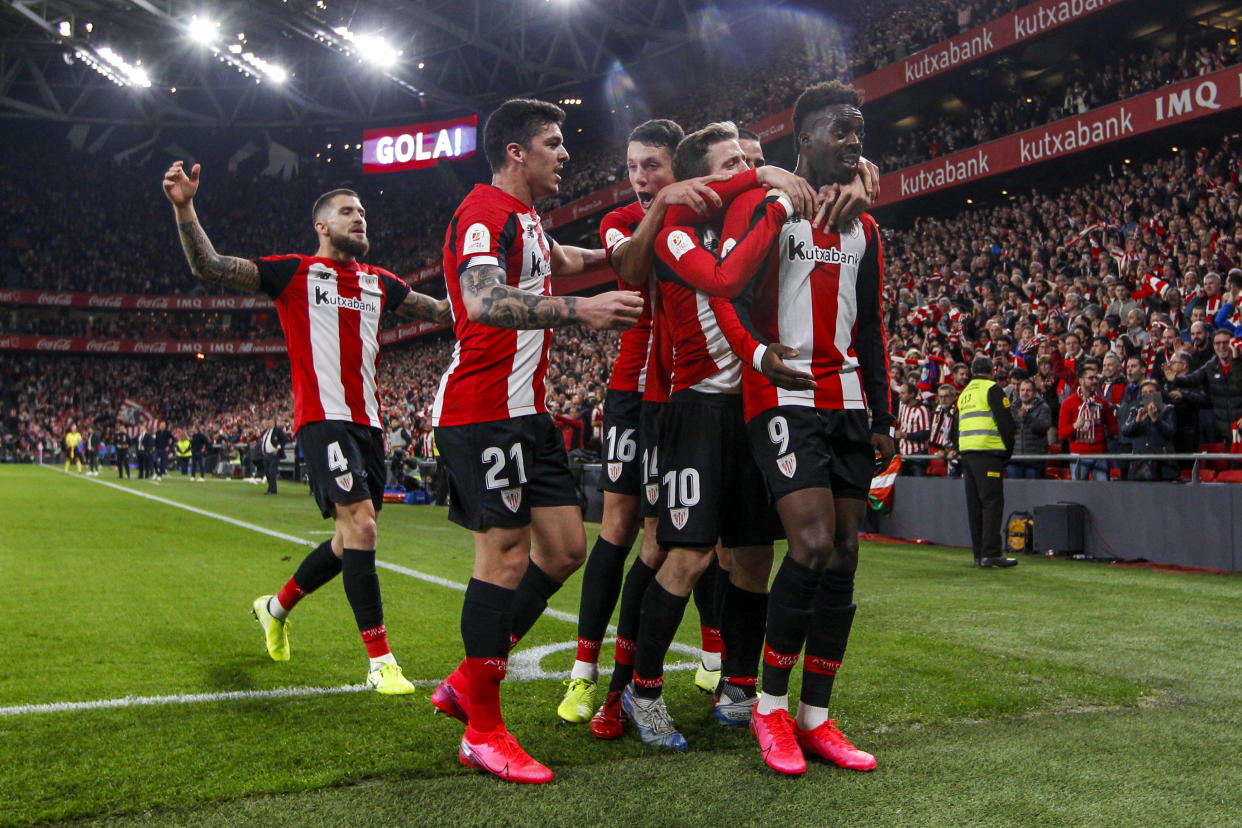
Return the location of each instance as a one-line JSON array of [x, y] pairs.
[[542, 412]]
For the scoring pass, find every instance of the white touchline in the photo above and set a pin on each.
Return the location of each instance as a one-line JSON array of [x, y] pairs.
[[527, 666], [190, 698]]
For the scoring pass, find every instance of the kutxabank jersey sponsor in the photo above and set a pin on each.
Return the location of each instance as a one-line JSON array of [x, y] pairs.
[[1175, 104]]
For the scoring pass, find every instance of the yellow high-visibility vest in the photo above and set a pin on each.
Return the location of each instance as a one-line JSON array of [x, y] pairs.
[[183, 448], [976, 427]]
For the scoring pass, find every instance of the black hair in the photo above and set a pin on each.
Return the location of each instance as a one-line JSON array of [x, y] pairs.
[[659, 132], [324, 200], [821, 96], [516, 121]]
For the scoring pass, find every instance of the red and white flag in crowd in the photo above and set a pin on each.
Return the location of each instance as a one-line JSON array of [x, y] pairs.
[[133, 417]]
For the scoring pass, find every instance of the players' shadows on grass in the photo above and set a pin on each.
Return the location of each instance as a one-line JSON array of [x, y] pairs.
[[230, 676]]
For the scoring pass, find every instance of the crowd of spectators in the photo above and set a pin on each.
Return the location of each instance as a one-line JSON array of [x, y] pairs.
[[1114, 303], [54, 244], [891, 30], [233, 400], [1112, 75], [143, 325]]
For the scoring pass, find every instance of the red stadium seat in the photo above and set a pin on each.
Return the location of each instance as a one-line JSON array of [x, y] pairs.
[[1214, 448], [1229, 476], [937, 467], [1207, 475]]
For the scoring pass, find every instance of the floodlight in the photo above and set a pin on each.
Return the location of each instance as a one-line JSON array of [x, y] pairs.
[[203, 30]]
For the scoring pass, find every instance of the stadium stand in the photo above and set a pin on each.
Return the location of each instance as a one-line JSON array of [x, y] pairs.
[[1007, 279]]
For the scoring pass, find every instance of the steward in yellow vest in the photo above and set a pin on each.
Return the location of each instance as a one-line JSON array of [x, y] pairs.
[[983, 432]]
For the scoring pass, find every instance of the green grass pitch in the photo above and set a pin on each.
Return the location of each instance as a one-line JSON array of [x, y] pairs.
[[1058, 693]]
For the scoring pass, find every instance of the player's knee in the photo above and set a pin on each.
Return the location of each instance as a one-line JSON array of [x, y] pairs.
[[362, 530], [844, 556]]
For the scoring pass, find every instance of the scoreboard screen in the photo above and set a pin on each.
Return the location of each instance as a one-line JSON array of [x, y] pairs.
[[413, 147]]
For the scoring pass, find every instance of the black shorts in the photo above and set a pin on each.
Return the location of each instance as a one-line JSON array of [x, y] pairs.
[[798, 447], [344, 463], [499, 471], [623, 442], [709, 485], [649, 440]]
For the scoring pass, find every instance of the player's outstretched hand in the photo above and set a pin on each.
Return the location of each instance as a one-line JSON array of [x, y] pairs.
[[695, 194], [801, 194], [179, 187], [615, 310], [780, 374], [883, 446]]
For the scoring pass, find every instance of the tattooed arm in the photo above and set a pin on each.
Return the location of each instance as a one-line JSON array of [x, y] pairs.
[[490, 301], [205, 262], [576, 261], [421, 306]]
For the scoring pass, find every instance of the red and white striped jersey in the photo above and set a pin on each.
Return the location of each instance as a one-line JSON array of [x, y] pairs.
[[819, 292], [330, 313], [660, 359], [691, 279], [495, 373], [911, 419], [629, 372]]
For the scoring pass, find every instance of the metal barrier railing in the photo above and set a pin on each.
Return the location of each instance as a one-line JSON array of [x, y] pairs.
[[1196, 457]]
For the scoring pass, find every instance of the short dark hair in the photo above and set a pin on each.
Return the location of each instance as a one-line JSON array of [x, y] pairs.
[[516, 121], [1087, 363], [981, 366], [744, 134], [690, 159], [659, 132], [821, 96], [324, 201]]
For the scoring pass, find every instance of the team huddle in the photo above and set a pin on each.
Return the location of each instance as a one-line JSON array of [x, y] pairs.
[[748, 403]]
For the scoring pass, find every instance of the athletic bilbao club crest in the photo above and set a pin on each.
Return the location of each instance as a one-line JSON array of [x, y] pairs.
[[512, 499], [614, 471], [788, 464], [653, 493], [679, 517], [345, 481]]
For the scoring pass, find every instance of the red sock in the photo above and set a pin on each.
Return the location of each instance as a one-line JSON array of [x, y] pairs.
[[484, 676], [588, 651], [290, 594], [625, 651], [711, 640], [376, 641]]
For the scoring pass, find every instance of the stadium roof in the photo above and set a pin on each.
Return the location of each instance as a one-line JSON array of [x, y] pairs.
[[221, 64]]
